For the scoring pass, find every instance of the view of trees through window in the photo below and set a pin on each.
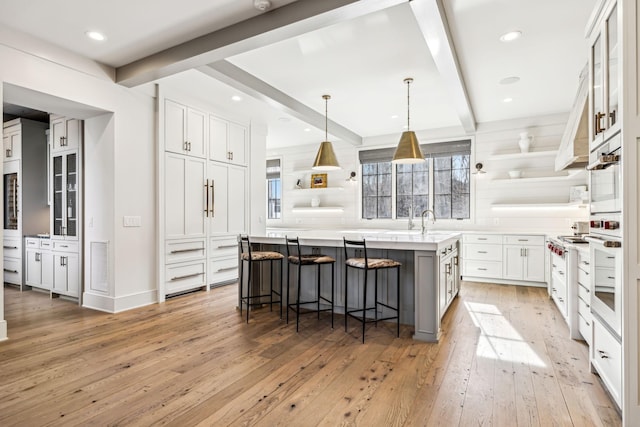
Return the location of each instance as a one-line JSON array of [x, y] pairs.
[[441, 183]]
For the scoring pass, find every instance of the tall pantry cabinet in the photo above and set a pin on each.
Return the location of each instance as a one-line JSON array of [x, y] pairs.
[[205, 198]]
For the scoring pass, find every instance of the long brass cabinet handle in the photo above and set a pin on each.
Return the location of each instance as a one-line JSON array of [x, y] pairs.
[[206, 190], [179, 251], [213, 198], [186, 276]]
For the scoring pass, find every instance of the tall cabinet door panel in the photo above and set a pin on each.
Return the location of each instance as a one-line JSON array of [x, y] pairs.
[[512, 267], [218, 136], [174, 127], [33, 267], [59, 274], [196, 131], [185, 195], [236, 200], [218, 219], [11, 144], [66, 187], [46, 261], [534, 260], [73, 277], [237, 144]]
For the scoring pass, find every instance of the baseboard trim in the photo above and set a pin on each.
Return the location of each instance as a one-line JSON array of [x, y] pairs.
[[117, 304]]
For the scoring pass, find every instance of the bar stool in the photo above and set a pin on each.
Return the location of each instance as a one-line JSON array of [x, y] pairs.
[[365, 264], [249, 256], [297, 258]]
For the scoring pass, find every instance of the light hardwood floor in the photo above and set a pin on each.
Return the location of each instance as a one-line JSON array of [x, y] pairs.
[[505, 359]]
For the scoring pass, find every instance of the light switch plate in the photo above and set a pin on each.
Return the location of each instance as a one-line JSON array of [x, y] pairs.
[[131, 221]]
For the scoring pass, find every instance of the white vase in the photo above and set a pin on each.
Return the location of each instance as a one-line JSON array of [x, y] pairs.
[[525, 142]]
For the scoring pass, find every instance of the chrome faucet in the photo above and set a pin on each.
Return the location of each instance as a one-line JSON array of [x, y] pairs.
[[426, 213]]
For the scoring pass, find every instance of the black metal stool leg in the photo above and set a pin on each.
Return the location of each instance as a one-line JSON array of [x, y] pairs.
[[241, 285], [318, 291], [398, 300], [249, 291], [346, 293], [375, 298], [298, 297], [364, 306], [333, 287]]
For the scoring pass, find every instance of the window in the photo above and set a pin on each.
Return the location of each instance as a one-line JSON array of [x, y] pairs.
[[274, 189], [441, 183]]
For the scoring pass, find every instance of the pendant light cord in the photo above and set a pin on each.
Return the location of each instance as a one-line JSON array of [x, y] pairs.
[[326, 118], [408, 109]]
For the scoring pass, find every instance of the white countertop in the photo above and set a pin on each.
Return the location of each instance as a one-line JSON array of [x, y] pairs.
[[380, 239]]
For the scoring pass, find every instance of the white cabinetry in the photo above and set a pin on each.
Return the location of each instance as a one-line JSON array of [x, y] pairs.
[[185, 196], [66, 273], [38, 263], [448, 276], [205, 198], [227, 141], [584, 297], [604, 77], [523, 258], [509, 258], [606, 357], [66, 133], [25, 191], [185, 129], [559, 289]]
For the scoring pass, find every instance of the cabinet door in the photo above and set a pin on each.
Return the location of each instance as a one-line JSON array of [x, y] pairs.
[[237, 145], [58, 132], [59, 274], [196, 131], [218, 137], [11, 143], [73, 279], [236, 205], [46, 261], [185, 194], [175, 121], [512, 266], [74, 134], [59, 193], [33, 268], [612, 71], [71, 183], [442, 286], [534, 263], [219, 203]]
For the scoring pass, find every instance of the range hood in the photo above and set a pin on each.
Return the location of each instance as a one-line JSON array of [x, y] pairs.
[[574, 146]]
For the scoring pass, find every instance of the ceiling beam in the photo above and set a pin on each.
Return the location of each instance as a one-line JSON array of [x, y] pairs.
[[435, 29], [291, 20], [239, 79]]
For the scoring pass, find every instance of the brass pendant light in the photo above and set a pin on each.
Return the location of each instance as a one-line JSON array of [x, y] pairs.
[[408, 149], [326, 159]]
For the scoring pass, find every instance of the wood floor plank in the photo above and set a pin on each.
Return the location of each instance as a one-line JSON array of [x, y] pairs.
[[504, 359]]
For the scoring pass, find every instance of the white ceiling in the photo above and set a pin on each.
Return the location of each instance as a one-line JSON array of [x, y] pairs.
[[361, 62]]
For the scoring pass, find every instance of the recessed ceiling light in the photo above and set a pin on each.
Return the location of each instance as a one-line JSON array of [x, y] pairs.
[[510, 36], [510, 80], [507, 100], [395, 116], [95, 35], [307, 129], [236, 98]]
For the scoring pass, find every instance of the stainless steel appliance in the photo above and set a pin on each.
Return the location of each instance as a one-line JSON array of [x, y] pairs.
[[605, 246], [580, 227], [605, 177]]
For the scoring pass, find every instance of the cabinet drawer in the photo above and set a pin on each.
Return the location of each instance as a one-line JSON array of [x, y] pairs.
[[223, 269], [12, 248], [482, 238], [184, 277], [65, 247], [584, 326], [31, 242], [482, 268], [558, 265], [476, 251], [13, 271], [584, 294], [523, 240], [583, 278], [46, 244], [605, 277], [184, 250], [223, 246], [584, 308], [606, 355], [583, 261]]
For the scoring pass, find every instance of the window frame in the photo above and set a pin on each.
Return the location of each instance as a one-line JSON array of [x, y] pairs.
[[394, 218]]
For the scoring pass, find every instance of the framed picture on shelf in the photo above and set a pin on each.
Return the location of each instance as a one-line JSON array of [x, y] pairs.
[[319, 180]]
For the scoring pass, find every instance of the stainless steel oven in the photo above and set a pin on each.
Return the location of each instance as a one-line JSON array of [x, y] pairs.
[[605, 247], [605, 177]]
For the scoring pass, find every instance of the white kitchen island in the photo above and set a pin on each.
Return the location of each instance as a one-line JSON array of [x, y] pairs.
[[429, 274]]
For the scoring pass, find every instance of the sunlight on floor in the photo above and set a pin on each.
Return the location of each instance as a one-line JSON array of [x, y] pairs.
[[498, 338]]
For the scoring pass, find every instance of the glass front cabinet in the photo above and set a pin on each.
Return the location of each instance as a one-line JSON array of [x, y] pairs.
[[65, 218]]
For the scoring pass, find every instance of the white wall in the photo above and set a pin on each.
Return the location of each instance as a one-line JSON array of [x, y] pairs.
[[120, 164], [492, 188]]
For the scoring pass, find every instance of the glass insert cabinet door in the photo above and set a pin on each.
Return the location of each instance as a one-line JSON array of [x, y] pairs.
[[65, 188], [11, 201]]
